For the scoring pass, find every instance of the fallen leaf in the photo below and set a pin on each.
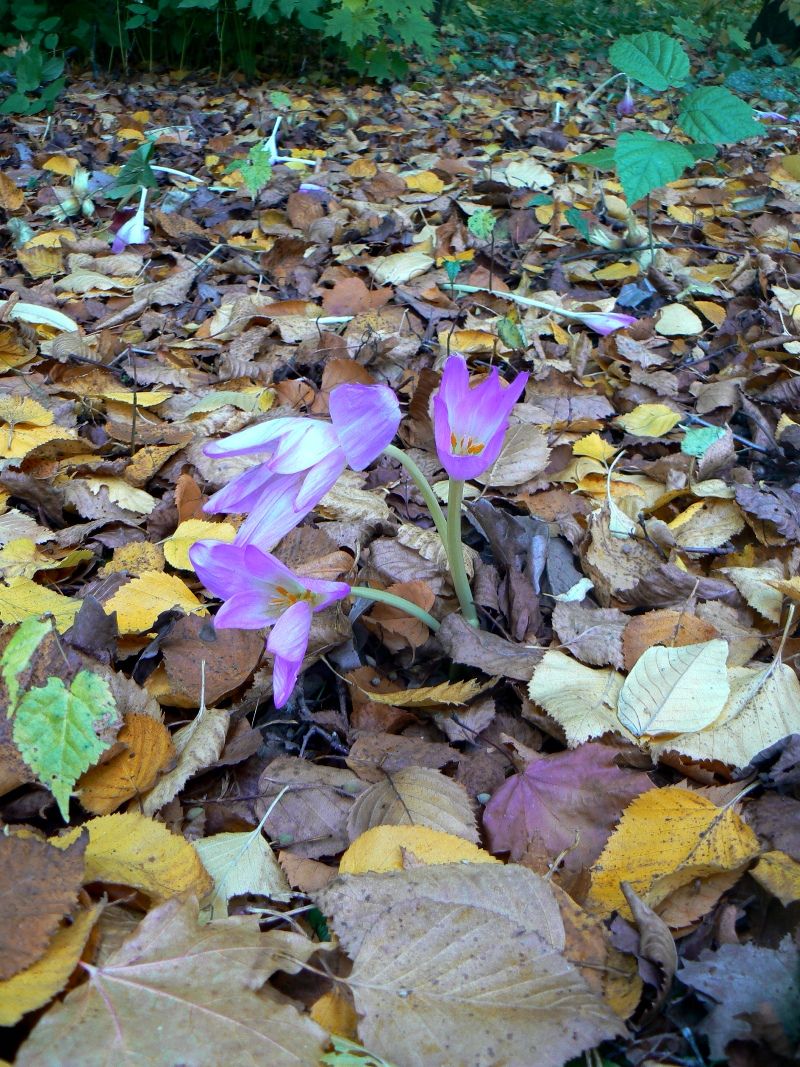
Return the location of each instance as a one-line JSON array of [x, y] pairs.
[[780, 875], [381, 849], [140, 601], [148, 751], [420, 796], [239, 864], [196, 746], [176, 547], [580, 699]]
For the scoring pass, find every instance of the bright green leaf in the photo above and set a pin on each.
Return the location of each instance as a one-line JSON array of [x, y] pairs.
[[714, 114], [655, 59], [481, 224], [349, 1054], [55, 730], [600, 159], [17, 655], [644, 163], [699, 439]]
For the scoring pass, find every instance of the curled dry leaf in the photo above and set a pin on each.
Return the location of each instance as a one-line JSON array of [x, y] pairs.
[[656, 943], [197, 746], [417, 796]]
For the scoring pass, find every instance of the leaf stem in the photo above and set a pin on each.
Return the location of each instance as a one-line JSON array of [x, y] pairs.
[[455, 552], [424, 486], [383, 597]]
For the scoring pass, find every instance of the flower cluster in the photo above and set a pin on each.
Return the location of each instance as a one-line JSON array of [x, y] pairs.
[[301, 459]]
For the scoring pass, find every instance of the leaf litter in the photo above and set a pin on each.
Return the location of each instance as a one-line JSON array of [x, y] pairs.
[[569, 829]]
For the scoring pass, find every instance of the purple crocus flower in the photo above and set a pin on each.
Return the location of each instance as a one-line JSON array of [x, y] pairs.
[[260, 591], [305, 458], [133, 231], [470, 423], [627, 105], [605, 322]]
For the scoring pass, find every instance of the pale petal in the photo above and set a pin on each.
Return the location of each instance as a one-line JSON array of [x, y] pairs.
[[303, 446], [288, 642], [254, 439], [325, 593], [269, 569], [220, 567], [365, 418], [275, 512], [247, 610], [322, 477], [242, 492]]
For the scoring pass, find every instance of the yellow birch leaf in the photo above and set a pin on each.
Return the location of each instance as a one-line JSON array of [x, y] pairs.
[[425, 181], [780, 875], [431, 696], [141, 400], [676, 320], [136, 557], [649, 420], [667, 839], [40, 261], [176, 547], [713, 312], [708, 524], [21, 598], [362, 168], [582, 700], [334, 1012], [756, 586], [139, 603], [63, 165], [39, 983], [122, 493], [130, 849], [148, 750], [789, 587], [22, 557], [381, 849], [595, 447], [617, 271], [470, 341]]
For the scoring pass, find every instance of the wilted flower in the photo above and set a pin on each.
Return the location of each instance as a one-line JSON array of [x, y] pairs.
[[627, 105], [470, 423], [305, 458], [604, 322], [134, 231], [259, 591]]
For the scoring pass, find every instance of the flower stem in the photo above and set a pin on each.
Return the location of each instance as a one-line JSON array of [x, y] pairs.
[[455, 552], [382, 597], [524, 301], [424, 486]]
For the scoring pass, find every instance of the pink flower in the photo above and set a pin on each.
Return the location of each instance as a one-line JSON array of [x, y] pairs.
[[305, 458], [604, 322], [134, 231], [471, 423], [259, 591], [626, 106]]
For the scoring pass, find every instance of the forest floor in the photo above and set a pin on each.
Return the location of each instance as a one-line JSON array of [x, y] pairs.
[[575, 828]]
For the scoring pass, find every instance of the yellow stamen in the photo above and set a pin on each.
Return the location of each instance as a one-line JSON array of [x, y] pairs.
[[465, 446]]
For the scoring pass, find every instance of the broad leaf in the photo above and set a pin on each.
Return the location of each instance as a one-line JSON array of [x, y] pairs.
[[714, 114], [18, 653], [655, 59], [645, 163]]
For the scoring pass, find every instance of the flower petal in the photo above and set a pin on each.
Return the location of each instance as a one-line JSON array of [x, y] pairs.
[[365, 418], [220, 567], [254, 438], [288, 642], [275, 512], [247, 610], [268, 569], [242, 492], [325, 593], [322, 477], [605, 323]]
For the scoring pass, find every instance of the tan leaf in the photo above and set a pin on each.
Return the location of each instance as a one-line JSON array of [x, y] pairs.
[[432, 696], [418, 796], [524, 456], [580, 699], [666, 627], [241, 863], [197, 746]]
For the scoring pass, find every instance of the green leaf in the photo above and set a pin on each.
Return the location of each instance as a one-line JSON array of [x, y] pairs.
[[55, 730], [599, 158], [280, 101], [18, 653], [690, 30], [698, 439], [701, 151], [511, 334], [349, 1054], [481, 224], [644, 163], [575, 218], [714, 114], [655, 59], [136, 173]]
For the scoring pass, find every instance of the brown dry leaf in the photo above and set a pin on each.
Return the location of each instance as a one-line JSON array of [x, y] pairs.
[[374, 755], [11, 196], [197, 746], [38, 887], [779, 874], [34, 987], [176, 992], [306, 875], [462, 965], [148, 750], [433, 696], [395, 628], [201, 660], [490, 653], [656, 943], [524, 456], [310, 818], [665, 627], [418, 796], [592, 635], [132, 850], [667, 839]]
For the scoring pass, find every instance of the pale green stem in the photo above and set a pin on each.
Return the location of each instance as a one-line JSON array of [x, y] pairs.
[[525, 301], [382, 597], [424, 486], [455, 552]]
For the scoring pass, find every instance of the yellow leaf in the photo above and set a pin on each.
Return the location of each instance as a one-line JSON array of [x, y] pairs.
[[362, 168], [139, 603], [381, 849], [595, 447], [756, 586], [789, 588], [130, 134], [431, 696], [132, 850], [51, 239], [11, 196], [425, 181], [21, 598], [780, 875], [148, 750], [176, 547], [33, 987], [39, 261], [649, 420], [141, 400], [63, 165], [21, 410], [22, 557], [676, 320], [581, 699], [617, 271], [470, 340], [707, 524], [334, 1012], [713, 312], [120, 492], [667, 839], [136, 557]]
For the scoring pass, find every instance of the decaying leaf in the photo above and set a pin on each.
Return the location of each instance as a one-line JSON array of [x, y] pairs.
[[419, 796]]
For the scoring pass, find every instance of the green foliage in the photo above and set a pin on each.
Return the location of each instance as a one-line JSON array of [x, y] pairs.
[[134, 175], [481, 224], [56, 731], [18, 653], [255, 169], [645, 163], [653, 58], [714, 114], [349, 1054], [28, 60]]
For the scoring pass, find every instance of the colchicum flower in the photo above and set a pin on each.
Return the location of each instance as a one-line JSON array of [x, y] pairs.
[[605, 322], [627, 105], [471, 423], [133, 231], [305, 458], [259, 591]]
